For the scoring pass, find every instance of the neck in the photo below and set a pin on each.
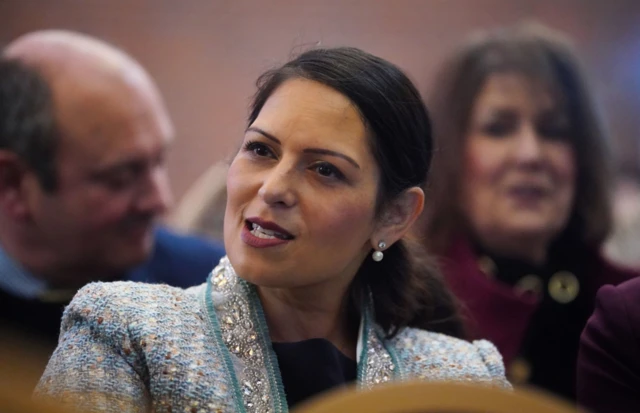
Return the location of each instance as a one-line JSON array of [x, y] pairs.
[[310, 312], [533, 250]]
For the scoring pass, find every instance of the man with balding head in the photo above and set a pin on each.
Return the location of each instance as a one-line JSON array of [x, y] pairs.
[[84, 135]]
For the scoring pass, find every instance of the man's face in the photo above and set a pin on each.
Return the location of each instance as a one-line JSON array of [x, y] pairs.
[[111, 175]]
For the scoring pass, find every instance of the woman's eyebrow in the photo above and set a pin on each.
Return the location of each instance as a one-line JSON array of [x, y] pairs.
[[319, 151]]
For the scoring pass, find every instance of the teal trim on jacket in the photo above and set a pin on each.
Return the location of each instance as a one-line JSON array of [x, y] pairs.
[[129, 347]]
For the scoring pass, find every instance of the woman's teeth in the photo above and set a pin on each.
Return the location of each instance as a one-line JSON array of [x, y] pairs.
[[260, 232]]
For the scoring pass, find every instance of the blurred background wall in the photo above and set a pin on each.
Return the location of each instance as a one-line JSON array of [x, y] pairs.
[[206, 54]]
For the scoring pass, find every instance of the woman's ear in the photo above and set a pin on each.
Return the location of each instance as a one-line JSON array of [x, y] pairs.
[[398, 217]]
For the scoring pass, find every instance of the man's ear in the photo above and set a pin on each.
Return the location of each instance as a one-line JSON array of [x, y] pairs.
[[398, 217], [13, 197]]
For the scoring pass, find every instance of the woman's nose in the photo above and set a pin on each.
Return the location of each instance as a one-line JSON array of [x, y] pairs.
[[278, 188], [528, 145]]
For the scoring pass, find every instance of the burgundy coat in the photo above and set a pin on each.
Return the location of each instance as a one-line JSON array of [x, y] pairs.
[[495, 311], [609, 357]]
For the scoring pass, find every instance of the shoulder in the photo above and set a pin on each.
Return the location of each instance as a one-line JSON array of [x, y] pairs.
[[608, 361], [630, 289], [432, 355], [617, 307], [133, 319], [135, 345], [127, 293], [621, 301], [614, 327], [112, 304]]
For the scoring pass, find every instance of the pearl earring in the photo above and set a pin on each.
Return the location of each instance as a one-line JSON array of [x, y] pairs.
[[378, 255]]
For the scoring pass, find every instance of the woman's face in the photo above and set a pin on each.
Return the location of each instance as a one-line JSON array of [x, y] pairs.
[[301, 191], [520, 173]]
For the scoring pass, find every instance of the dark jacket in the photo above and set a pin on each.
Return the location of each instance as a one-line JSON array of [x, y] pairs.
[[533, 333], [609, 357]]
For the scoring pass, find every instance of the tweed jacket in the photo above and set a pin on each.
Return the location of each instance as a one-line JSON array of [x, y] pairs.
[[129, 347]]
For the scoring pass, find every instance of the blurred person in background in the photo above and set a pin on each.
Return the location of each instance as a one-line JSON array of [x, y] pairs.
[[84, 135], [319, 287], [520, 205], [609, 356]]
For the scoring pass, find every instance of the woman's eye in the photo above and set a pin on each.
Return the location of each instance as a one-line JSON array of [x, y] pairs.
[[553, 132], [554, 128], [498, 129], [258, 149], [328, 170]]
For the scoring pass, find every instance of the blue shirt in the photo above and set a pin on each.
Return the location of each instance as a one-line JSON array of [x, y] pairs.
[[177, 260], [17, 281]]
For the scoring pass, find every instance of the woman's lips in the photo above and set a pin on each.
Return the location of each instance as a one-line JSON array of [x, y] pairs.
[[259, 239], [268, 227], [528, 193]]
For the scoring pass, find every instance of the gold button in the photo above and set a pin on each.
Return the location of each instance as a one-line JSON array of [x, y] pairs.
[[564, 287], [529, 284], [519, 371], [487, 266]]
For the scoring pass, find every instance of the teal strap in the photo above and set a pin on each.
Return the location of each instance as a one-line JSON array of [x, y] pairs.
[[224, 351], [271, 360]]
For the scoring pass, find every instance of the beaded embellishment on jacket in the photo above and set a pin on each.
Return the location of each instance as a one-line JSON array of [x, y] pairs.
[[243, 330], [377, 365]]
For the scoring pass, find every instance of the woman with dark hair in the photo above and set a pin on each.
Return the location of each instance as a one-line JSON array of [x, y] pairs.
[[519, 200], [318, 289]]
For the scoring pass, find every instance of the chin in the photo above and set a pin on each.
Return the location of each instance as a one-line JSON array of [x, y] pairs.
[[254, 270], [263, 272], [532, 229]]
